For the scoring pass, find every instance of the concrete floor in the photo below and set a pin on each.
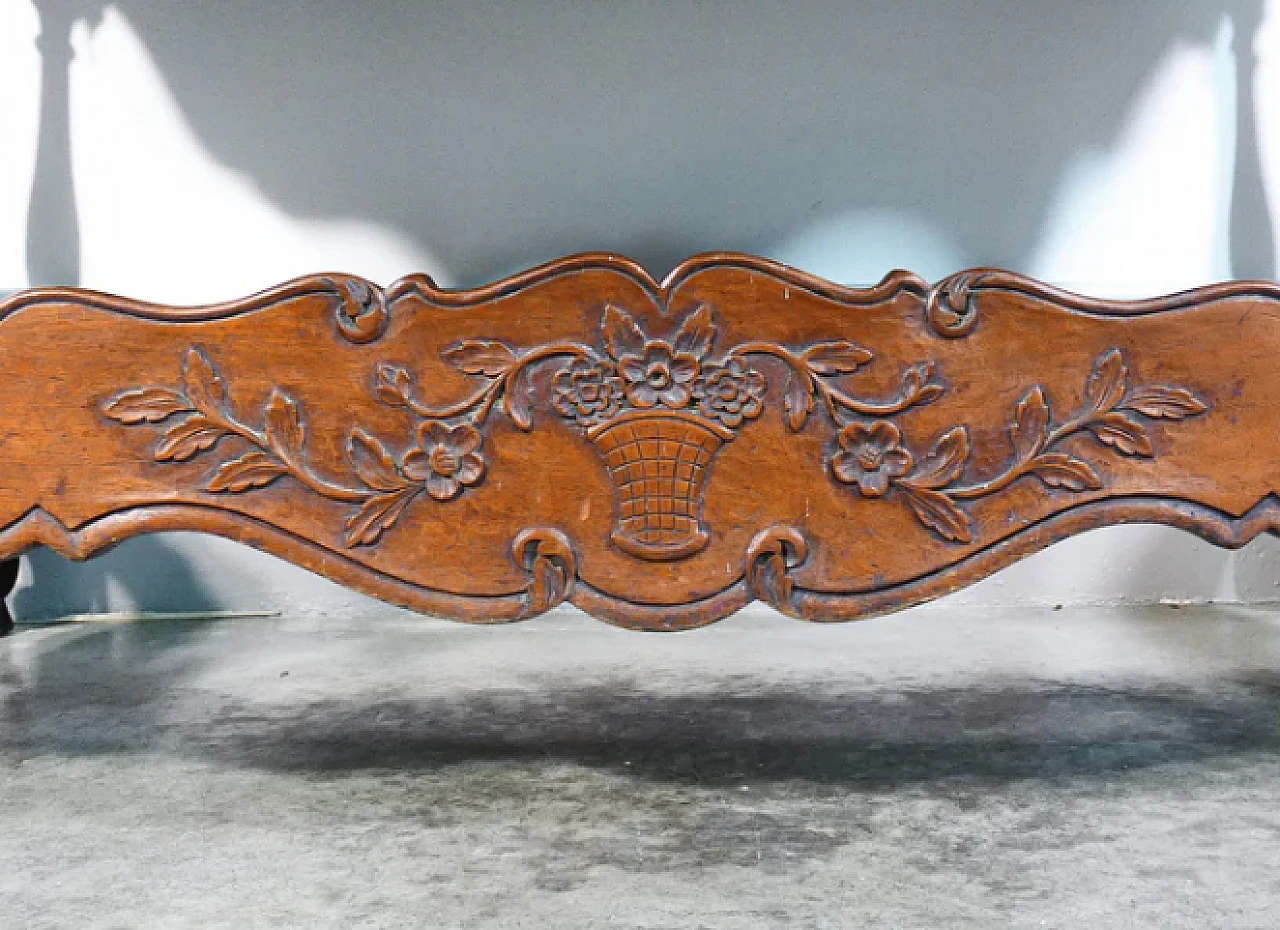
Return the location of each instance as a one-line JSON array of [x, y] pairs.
[[942, 768]]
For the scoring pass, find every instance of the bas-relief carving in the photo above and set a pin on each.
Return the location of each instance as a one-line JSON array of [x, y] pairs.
[[658, 403], [657, 410]]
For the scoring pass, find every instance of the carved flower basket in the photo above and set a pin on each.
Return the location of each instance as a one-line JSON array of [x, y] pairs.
[[658, 460]]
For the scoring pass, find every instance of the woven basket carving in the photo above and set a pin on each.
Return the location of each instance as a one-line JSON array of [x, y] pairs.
[[658, 462]]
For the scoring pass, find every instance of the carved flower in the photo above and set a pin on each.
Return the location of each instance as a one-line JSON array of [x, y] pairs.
[[730, 392], [870, 457], [587, 392], [446, 458], [659, 375]]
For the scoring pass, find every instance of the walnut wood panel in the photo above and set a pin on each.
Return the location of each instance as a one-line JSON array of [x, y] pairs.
[[658, 454]]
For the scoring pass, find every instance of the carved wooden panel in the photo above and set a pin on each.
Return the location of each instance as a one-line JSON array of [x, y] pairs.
[[660, 455]]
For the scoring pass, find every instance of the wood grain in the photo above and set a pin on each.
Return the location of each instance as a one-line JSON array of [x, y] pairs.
[[658, 454]]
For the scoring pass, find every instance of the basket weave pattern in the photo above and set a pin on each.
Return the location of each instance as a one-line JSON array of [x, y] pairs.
[[658, 465]]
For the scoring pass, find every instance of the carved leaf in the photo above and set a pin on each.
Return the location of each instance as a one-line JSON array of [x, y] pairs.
[[1059, 470], [252, 470], [945, 462], [285, 435], [939, 512], [797, 401], [836, 358], [696, 333], [928, 390], [202, 383], [481, 357], [1123, 434], [146, 405], [1030, 424], [377, 514], [1106, 383], [188, 438], [518, 399], [1166, 403], [621, 334], [917, 385], [393, 385], [372, 463]]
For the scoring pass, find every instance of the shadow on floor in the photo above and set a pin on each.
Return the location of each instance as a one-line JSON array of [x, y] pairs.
[[872, 739], [128, 689]]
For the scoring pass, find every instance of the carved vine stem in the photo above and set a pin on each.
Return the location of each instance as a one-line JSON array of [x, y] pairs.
[[934, 489], [204, 417], [445, 459], [812, 368], [495, 361]]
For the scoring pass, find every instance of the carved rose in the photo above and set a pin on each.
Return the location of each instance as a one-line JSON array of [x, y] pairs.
[[730, 392], [587, 392], [446, 459], [659, 376], [870, 457]]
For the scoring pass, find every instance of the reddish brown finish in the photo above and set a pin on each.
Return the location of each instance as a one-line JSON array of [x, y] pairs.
[[660, 455]]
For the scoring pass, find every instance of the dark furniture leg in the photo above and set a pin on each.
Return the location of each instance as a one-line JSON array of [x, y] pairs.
[[8, 578]]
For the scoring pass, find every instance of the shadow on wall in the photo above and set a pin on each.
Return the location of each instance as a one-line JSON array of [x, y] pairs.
[[500, 134], [150, 574], [1251, 237]]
